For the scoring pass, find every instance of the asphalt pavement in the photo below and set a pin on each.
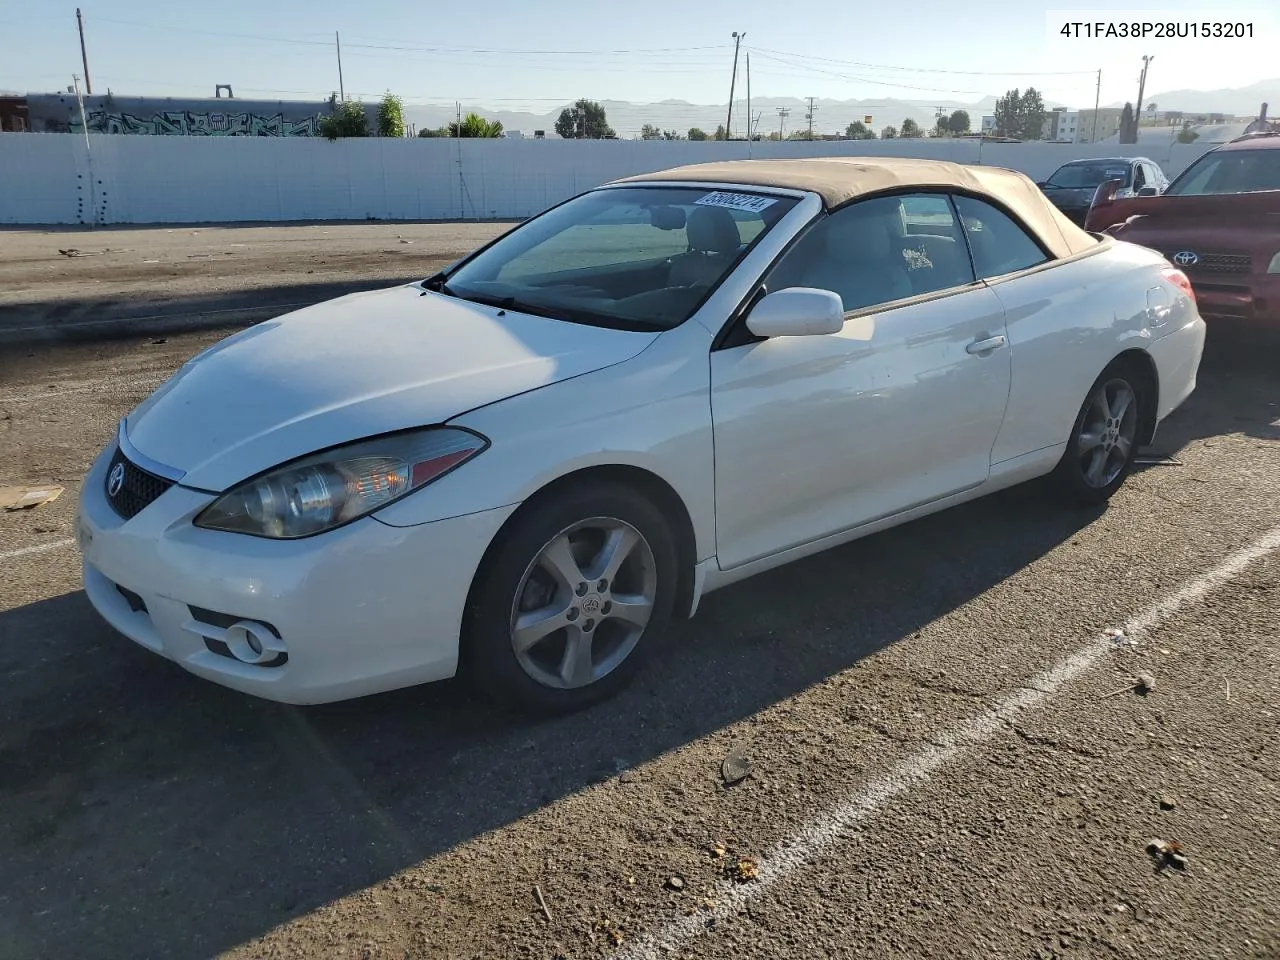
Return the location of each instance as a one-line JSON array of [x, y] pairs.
[[949, 756]]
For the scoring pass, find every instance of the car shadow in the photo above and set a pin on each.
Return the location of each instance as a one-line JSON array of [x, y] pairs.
[[128, 782], [149, 813]]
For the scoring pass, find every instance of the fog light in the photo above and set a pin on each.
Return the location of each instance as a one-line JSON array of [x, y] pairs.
[[251, 642]]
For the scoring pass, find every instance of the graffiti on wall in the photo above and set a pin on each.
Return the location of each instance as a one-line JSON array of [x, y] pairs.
[[194, 123]]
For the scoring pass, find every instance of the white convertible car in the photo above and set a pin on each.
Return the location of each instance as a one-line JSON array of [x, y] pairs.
[[520, 468]]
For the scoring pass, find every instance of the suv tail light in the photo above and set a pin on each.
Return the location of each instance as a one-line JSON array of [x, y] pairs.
[[1179, 280]]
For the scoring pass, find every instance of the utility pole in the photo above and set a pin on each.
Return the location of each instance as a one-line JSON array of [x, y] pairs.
[[783, 113], [748, 96], [728, 123], [1097, 99], [84, 57], [342, 92], [809, 117], [1142, 85]]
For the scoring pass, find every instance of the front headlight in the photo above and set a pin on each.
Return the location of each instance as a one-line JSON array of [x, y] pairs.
[[1274, 265], [326, 490]]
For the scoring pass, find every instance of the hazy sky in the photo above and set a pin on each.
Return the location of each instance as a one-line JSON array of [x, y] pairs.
[[534, 54]]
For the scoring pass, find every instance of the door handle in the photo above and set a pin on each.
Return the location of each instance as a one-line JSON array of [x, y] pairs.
[[987, 345]]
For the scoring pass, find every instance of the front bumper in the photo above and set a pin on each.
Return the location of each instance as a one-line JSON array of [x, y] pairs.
[[1254, 299], [359, 610]]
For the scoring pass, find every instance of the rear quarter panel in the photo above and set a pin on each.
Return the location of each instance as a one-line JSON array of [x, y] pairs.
[[1065, 323]]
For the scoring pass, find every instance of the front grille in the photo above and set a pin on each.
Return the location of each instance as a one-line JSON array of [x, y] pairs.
[[137, 489], [1234, 263]]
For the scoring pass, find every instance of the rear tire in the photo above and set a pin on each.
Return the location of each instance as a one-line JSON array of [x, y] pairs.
[[1104, 437], [570, 602]]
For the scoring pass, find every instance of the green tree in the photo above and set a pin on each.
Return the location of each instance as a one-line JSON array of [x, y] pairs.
[[889, 133], [585, 120], [435, 132], [696, 134], [670, 134], [958, 122], [475, 126], [1020, 115], [1128, 125], [650, 132], [390, 116], [940, 127], [1186, 134], [345, 119], [720, 133], [859, 131], [910, 129]]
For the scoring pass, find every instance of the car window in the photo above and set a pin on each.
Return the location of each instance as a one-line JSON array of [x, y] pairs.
[[1089, 175], [1229, 171], [1139, 176], [877, 251], [637, 257], [999, 244]]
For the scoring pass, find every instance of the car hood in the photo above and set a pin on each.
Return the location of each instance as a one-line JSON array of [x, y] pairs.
[[355, 367], [1070, 196]]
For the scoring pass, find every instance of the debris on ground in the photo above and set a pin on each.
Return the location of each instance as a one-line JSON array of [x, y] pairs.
[[1120, 638], [537, 892], [1167, 855], [736, 767], [1143, 684], [743, 870], [607, 927], [24, 498], [675, 883], [717, 850], [1167, 803], [1156, 460], [159, 340]]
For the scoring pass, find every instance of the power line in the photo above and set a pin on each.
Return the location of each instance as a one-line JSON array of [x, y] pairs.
[[972, 73]]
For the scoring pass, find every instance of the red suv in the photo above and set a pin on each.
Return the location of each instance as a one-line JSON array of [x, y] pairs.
[[1219, 222]]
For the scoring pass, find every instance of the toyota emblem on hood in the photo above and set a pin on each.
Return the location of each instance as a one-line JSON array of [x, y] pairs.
[[1185, 258], [115, 480]]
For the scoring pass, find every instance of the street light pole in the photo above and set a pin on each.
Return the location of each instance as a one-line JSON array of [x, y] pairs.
[[1142, 85], [728, 123]]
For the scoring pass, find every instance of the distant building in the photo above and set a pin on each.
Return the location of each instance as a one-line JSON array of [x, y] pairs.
[[13, 115], [168, 116], [1061, 124], [1108, 124]]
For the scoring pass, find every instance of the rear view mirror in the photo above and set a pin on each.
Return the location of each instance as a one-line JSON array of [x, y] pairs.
[[797, 312], [667, 218]]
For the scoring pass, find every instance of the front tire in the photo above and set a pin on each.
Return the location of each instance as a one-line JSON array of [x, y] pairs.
[[566, 609], [1104, 438]]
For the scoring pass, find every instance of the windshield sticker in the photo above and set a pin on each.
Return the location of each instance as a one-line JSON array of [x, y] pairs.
[[1115, 172], [736, 201]]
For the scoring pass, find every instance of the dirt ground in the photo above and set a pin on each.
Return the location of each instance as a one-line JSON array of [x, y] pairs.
[[81, 282], [947, 755]]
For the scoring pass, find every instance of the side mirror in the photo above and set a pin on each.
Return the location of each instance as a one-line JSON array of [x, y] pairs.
[[797, 312], [1148, 192], [1106, 192]]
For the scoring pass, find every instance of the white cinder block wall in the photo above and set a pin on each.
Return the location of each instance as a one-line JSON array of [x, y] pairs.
[[59, 179]]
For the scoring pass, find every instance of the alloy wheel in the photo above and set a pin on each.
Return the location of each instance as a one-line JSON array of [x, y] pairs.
[[583, 603]]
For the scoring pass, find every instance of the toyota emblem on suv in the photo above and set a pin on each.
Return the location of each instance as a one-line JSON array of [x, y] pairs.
[[115, 480], [1185, 258]]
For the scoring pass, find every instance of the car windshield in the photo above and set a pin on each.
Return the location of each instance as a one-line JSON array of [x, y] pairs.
[[639, 258], [1229, 171], [1080, 176]]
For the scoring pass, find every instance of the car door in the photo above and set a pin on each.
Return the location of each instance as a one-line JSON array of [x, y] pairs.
[[816, 435]]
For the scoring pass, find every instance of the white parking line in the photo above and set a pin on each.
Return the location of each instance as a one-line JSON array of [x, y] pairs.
[[29, 551], [826, 830]]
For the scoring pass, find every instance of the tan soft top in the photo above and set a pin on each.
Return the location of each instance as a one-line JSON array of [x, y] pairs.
[[837, 180]]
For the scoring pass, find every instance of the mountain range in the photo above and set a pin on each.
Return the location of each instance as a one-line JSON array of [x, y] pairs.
[[830, 115]]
